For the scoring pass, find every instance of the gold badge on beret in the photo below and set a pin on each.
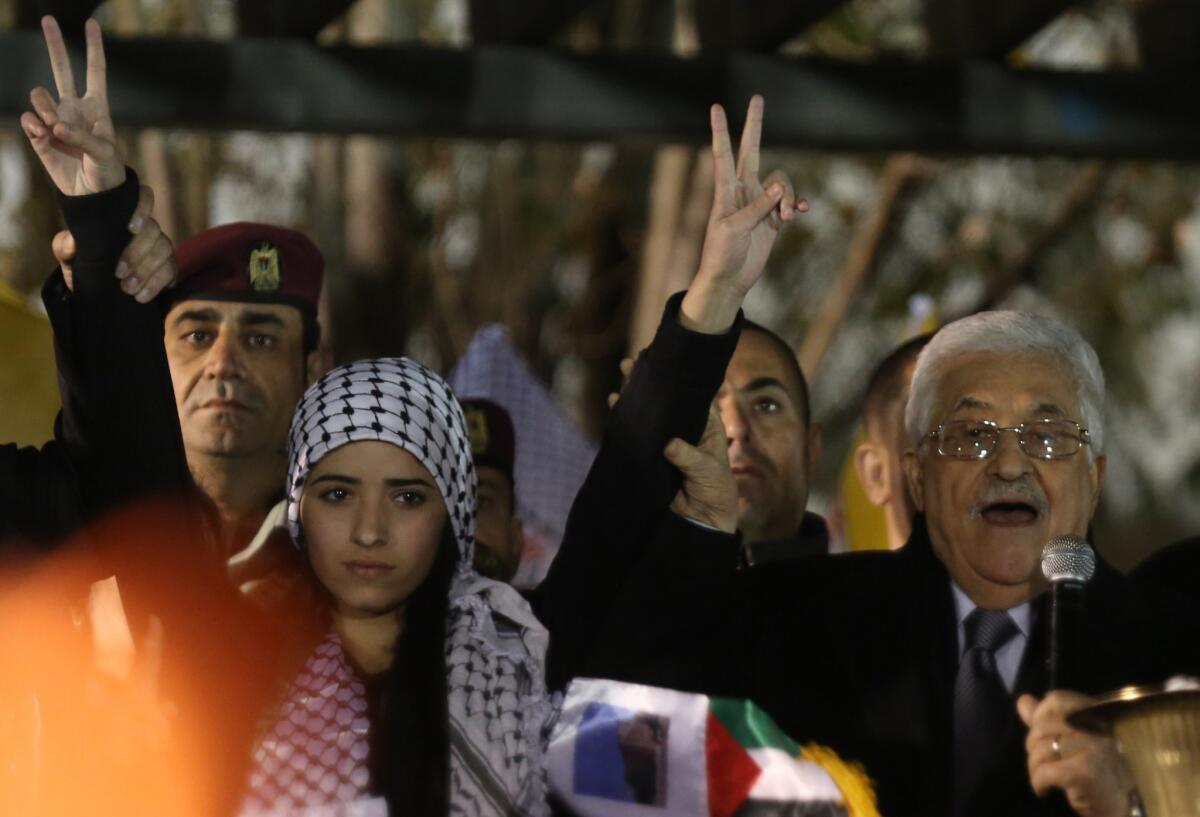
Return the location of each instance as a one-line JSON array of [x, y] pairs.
[[477, 430], [264, 268]]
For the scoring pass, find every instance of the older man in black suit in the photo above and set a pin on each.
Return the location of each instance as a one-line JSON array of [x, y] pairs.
[[911, 661]]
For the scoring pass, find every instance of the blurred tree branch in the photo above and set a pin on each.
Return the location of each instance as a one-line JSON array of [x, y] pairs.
[[1022, 267], [900, 171]]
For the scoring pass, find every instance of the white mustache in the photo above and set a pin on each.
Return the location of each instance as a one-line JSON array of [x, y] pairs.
[[1001, 491]]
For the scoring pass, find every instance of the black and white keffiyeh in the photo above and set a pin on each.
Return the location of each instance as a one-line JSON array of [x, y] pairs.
[[495, 652]]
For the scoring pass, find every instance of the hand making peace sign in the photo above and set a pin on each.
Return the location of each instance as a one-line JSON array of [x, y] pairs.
[[747, 214], [77, 145], [74, 137]]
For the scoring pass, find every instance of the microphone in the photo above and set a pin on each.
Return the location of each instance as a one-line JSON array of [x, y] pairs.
[[1068, 563]]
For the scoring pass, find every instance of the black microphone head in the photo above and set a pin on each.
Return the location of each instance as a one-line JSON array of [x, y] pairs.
[[1068, 559]]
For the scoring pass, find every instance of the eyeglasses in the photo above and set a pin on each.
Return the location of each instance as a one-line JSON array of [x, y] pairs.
[[979, 439]]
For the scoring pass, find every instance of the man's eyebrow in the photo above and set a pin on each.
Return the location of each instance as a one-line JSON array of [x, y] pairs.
[[760, 383], [201, 315], [1048, 408], [970, 402], [259, 319]]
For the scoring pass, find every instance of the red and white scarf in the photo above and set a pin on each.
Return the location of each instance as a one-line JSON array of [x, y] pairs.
[[498, 705]]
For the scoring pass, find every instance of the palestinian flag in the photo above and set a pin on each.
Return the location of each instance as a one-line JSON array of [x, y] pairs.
[[625, 750]]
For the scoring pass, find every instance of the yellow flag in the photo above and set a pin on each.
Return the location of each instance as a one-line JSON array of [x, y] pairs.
[[28, 377]]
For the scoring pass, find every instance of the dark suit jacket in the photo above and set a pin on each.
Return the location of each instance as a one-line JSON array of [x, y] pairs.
[[117, 437], [858, 652], [811, 539]]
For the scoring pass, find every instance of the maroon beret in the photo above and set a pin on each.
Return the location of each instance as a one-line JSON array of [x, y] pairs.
[[493, 441], [257, 263]]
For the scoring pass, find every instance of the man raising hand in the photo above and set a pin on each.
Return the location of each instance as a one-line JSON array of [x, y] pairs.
[[683, 366], [117, 437]]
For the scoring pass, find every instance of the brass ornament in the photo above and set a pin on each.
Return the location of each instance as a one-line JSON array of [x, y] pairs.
[[1158, 731]]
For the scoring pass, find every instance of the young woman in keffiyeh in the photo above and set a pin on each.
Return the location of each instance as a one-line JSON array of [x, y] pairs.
[[426, 695]]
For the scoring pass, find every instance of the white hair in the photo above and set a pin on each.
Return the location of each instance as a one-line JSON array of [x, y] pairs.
[[1007, 331]]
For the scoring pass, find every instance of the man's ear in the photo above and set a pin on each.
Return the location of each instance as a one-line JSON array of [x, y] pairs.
[[872, 468], [914, 475], [316, 364]]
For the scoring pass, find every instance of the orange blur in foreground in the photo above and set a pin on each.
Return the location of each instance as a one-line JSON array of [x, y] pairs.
[[111, 702]]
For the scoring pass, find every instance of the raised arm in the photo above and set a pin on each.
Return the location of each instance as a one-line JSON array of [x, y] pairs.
[[117, 436], [625, 501]]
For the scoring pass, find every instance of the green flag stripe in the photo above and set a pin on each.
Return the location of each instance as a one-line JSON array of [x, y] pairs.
[[750, 726]]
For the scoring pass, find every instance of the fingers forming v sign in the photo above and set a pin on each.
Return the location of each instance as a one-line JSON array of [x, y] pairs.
[[745, 218], [74, 136]]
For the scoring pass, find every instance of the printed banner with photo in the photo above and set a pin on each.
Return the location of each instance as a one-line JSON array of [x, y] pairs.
[[626, 750]]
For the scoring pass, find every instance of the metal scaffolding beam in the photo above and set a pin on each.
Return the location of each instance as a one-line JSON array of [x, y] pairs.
[[765, 25], [965, 29], [288, 18], [507, 92], [531, 22], [70, 14]]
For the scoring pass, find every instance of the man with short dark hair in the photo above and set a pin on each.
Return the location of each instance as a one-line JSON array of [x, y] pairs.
[[773, 448], [499, 535], [241, 339], [144, 610], [879, 458]]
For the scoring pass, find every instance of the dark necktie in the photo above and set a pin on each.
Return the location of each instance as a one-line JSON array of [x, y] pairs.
[[982, 705]]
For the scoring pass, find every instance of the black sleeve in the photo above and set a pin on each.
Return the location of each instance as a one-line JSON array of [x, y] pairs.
[[629, 488], [38, 497], [682, 618], [117, 436]]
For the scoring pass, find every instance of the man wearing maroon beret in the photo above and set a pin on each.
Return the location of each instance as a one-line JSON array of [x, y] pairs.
[[240, 328], [135, 609], [499, 536], [241, 337]]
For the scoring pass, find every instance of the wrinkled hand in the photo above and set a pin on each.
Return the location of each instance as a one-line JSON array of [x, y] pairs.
[[147, 266], [743, 224], [709, 493], [1086, 767], [74, 137]]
